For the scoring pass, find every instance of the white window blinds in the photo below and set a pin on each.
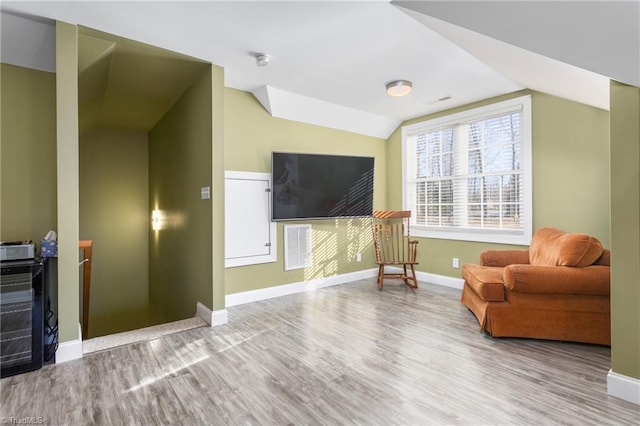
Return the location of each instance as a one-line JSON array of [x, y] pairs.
[[468, 176]]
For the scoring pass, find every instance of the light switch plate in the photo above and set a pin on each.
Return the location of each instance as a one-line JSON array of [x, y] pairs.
[[205, 193]]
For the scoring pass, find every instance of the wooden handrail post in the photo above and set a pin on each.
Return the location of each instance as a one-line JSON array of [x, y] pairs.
[[87, 246]]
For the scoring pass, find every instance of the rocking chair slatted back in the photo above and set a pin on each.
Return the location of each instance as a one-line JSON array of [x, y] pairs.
[[393, 245]]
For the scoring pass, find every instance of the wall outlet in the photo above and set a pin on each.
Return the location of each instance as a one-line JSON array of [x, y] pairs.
[[359, 257], [456, 262]]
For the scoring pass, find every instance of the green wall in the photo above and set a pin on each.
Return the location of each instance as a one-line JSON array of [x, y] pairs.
[[218, 101], [251, 134], [570, 150], [67, 181], [114, 193], [27, 154], [180, 163], [625, 229], [571, 167]]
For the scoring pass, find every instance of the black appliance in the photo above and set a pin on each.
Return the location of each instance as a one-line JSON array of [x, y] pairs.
[[313, 186], [21, 311]]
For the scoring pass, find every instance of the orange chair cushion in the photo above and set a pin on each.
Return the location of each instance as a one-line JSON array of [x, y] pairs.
[[553, 247], [486, 281]]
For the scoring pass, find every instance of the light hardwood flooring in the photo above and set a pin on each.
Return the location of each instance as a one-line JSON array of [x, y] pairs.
[[342, 355]]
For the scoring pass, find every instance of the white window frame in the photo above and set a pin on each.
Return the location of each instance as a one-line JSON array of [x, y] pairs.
[[517, 237]]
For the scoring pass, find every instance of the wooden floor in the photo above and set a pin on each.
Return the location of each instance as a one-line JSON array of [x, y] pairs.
[[348, 354]]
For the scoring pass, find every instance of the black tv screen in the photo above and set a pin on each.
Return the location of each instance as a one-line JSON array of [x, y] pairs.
[[311, 186]]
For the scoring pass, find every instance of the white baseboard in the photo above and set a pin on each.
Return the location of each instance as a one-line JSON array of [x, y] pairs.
[[70, 350], [442, 280], [243, 297], [250, 296], [204, 313], [219, 317], [212, 318], [623, 387]]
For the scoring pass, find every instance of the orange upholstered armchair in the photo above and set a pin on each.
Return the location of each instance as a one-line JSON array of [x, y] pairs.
[[556, 290]]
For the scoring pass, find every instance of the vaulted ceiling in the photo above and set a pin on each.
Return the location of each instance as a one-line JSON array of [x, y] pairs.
[[331, 60], [125, 84]]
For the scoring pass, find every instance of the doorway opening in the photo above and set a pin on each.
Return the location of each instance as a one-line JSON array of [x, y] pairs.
[[142, 111]]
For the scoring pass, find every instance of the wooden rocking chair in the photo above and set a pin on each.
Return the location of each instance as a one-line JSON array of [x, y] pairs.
[[393, 246]]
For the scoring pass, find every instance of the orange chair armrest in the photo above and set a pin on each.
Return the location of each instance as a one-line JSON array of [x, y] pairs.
[[591, 280]]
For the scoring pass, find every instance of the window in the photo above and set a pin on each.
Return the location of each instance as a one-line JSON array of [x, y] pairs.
[[467, 176]]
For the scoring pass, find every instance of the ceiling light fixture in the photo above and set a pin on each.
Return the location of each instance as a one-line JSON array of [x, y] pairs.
[[399, 87], [262, 59]]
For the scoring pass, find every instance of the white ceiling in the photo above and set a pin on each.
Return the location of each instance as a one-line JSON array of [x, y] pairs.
[[331, 60], [600, 36]]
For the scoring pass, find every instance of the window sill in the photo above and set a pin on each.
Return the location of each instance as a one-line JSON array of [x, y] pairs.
[[499, 237]]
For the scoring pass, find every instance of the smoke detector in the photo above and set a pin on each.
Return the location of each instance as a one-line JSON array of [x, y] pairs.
[[262, 59]]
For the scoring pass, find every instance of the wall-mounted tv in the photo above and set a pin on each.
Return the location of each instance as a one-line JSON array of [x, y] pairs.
[[312, 186]]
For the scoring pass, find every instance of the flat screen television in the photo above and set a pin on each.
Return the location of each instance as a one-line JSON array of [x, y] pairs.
[[312, 186]]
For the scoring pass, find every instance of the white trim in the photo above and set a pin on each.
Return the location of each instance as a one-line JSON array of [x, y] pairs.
[[272, 256], [441, 280], [204, 313], [623, 387], [68, 351], [250, 296], [496, 108], [213, 318], [219, 317], [461, 234], [504, 236], [240, 175], [502, 107]]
